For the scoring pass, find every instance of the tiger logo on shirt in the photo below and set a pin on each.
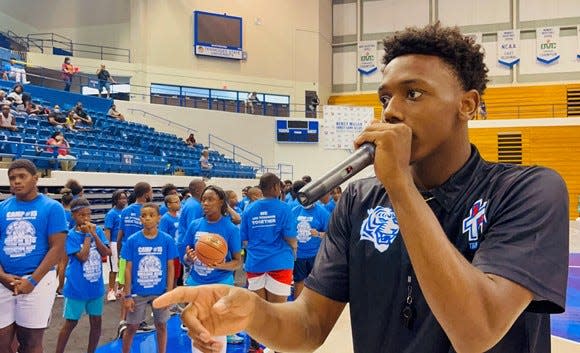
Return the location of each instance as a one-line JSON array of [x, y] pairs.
[[380, 227]]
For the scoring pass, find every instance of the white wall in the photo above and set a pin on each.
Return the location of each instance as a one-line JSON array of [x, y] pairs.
[[112, 35], [531, 10], [384, 16], [344, 19], [16, 26], [474, 12]]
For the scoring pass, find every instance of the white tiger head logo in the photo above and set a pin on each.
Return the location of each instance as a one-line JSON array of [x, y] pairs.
[[380, 227]]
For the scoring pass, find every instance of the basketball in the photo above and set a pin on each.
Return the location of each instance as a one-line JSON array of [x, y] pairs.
[[211, 249]]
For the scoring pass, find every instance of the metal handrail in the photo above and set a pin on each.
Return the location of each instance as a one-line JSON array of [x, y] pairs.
[[232, 149], [169, 122]]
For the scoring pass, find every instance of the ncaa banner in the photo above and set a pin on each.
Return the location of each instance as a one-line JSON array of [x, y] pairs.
[[508, 47], [547, 39], [367, 57]]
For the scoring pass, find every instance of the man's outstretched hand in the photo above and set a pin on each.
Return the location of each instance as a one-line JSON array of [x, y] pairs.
[[212, 310]]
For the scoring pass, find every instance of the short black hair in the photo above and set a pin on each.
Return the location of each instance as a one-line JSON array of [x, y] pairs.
[[66, 197], [24, 164], [268, 181], [461, 53], [75, 187], [141, 188], [167, 188], [222, 196], [296, 186], [151, 205], [116, 196], [307, 179], [78, 204]]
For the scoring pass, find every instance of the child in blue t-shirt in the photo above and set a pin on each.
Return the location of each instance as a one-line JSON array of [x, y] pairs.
[[215, 208], [86, 244], [311, 226], [170, 224], [149, 273]]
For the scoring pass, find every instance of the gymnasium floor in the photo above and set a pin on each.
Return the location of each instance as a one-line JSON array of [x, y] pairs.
[[566, 328]]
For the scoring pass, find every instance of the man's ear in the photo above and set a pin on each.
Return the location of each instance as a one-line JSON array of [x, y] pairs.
[[469, 105]]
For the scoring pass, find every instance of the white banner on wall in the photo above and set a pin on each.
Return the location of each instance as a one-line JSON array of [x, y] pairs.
[[508, 47], [578, 36], [367, 57], [547, 44], [340, 125], [477, 37]]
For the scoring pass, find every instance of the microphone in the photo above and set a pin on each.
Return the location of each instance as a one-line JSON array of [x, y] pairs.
[[359, 160]]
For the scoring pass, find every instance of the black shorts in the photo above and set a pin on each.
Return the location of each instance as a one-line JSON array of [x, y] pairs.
[[302, 268]]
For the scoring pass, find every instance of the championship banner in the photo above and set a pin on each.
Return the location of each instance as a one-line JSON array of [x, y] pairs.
[[367, 57], [547, 39], [508, 47], [477, 37], [340, 125]]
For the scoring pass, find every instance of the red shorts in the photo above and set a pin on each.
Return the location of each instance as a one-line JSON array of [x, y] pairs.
[[276, 282], [176, 268]]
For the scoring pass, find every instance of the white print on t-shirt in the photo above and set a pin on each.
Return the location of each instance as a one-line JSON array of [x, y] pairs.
[[263, 220], [149, 272], [93, 266], [133, 219], [201, 269], [303, 229], [20, 238], [380, 227]]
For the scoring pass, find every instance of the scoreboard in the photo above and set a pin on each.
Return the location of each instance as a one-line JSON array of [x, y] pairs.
[[297, 131]]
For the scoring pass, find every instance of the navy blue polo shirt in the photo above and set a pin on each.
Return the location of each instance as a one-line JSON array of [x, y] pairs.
[[507, 220]]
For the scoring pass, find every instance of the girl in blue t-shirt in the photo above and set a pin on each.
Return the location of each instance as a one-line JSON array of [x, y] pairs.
[[215, 208], [84, 288]]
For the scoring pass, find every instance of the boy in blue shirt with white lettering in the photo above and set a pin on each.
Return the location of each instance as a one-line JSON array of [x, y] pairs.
[[32, 233], [84, 287], [149, 273], [170, 224]]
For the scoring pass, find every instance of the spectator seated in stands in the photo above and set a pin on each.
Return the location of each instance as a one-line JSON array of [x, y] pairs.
[[81, 117], [7, 120], [113, 113], [204, 163], [190, 141], [17, 96], [35, 109], [3, 99], [251, 101], [57, 117], [15, 71], [57, 140]]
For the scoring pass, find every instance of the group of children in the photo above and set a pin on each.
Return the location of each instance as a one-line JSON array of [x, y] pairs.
[[151, 250]]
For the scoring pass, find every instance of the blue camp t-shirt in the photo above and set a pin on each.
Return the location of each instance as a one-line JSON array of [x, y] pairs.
[[244, 203], [24, 230], [190, 211], [330, 206], [113, 222], [70, 222], [169, 224], [84, 280], [288, 198], [131, 221], [201, 273], [163, 210], [265, 224], [307, 219], [149, 259]]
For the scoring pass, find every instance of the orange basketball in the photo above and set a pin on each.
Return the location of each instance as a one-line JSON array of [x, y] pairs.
[[211, 249]]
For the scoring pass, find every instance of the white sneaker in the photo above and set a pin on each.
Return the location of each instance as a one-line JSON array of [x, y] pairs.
[[111, 297]]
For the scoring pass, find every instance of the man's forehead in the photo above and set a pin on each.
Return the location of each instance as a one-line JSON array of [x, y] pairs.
[[416, 68]]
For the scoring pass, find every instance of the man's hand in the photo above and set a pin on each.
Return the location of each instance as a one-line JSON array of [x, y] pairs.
[[190, 254], [7, 281], [392, 152], [85, 228], [22, 286], [213, 310]]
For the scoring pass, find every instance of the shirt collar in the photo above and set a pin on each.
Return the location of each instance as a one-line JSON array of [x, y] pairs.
[[453, 190]]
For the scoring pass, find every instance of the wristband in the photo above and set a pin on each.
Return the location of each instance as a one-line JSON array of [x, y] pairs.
[[32, 281]]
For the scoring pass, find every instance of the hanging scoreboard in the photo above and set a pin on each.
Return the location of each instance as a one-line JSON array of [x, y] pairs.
[[297, 131]]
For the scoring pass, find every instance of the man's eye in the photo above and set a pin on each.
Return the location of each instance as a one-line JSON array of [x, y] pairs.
[[385, 100], [414, 94]]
